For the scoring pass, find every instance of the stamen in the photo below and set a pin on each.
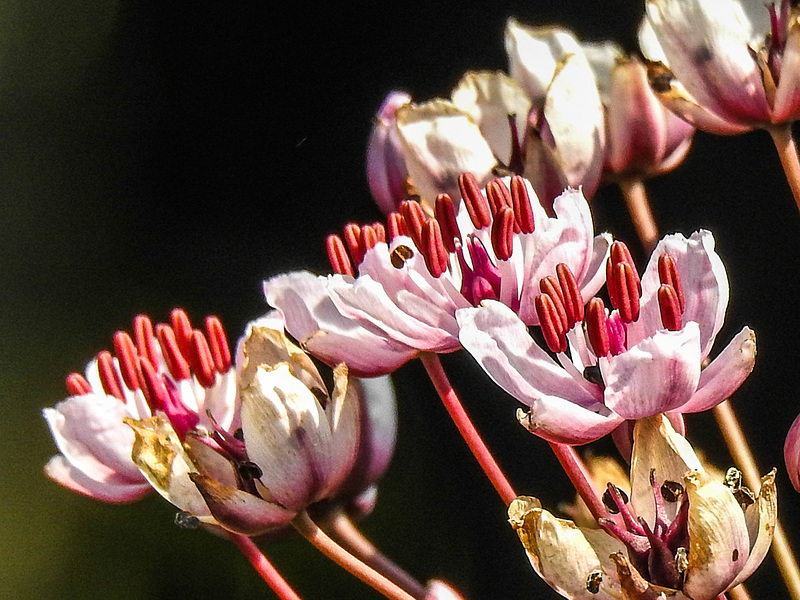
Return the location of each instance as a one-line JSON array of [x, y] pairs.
[[176, 363], [128, 359], [661, 524], [395, 225], [503, 233], [414, 218], [432, 248], [549, 286], [573, 301], [152, 386], [338, 257], [218, 342], [369, 237], [400, 255], [182, 327], [521, 201], [145, 340], [352, 241], [201, 360], [597, 328], [516, 161], [623, 290], [660, 560], [380, 232], [620, 254], [446, 215], [498, 195], [616, 333], [476, 203], [77, 385], [109, 378], [623, 508], [550, 322], [670, 309], [668, 274]]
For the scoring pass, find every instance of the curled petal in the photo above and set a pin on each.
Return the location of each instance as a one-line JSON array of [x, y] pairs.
[[60, 470], [563, 422], [386, 167]]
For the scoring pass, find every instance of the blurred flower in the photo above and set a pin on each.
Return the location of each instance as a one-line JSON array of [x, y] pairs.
[[498, 243], [726, 66], [643, 138], [791, 453], [662, 330], [438, 590], [683, 534]]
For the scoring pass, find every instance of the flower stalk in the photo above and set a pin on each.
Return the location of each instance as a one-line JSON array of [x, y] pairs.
[[787, 152], [477, 446], [264, 568], [641, 214], [579, 477]]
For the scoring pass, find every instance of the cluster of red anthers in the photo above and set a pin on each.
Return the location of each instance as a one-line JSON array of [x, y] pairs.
[[184, 352], [506, 210], [559, 306]]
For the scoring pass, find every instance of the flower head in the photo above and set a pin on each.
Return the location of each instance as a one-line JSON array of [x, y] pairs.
[[416, 273], [679, 531], [726, 66], [661, 330]]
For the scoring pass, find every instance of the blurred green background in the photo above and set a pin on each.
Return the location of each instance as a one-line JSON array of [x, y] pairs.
[[175, 154]]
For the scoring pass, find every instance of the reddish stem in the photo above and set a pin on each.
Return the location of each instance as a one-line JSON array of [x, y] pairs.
[[465, 427], [576, 471], [264, 568]]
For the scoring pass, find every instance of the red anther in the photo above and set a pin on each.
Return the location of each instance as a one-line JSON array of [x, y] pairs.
[[128, 359], [620, 254], [380, 231], [597, 328], [549, 287], [503, 233], [145, 340], [498, 195], [201, 360], [369, 237], [109, 378], [445, 213], [477, 205], [668, 274], [353, 242], [77, 385], [573, 300], [623, 290], [182, 327], [414, 218], [433, 251], [550, 322], [218, 344], [670, 308], [395, 224], [338, 256], [521, 201], [152, 386], [176, 363]]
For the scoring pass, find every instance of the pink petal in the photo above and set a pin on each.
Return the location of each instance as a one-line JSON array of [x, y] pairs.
[[725, 373], [791, 453], [62, 472], [656, 375], [787, 96], [564, 422], [386, 167]]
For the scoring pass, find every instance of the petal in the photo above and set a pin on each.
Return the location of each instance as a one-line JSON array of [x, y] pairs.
[[311, 317], [762, 518], [719, 544], [787, 96], [563, 422], [657, 375], [791, 453], [440, 142], [62, 472], [386, 167], [603, 58], [491, 98], [560, 552], [707, 44], [725, 373], [343, 412]]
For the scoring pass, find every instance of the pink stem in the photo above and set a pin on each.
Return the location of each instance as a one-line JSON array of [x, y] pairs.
[[576, 471], [465, 427], [264, 568]]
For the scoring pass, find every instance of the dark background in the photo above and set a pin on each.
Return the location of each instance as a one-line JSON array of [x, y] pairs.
[[176, 154]]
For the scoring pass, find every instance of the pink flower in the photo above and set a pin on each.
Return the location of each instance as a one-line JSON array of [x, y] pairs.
[[791, 453], [726, 66], [411, 282], [641, 359]]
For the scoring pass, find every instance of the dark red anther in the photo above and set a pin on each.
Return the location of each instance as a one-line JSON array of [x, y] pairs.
[[670, 308], [128, 359], [620, 254], [503, 233], [550, 322], [623, 290], [549, 287], [182, 327], [379, 229], [352, 241], [414, 219], [77, 385], [146, 341], [395, 225], [498, 195], [476, 203], [433, 251], [201, 360], [445, 213], [176, 363], [218, 343], [338, 257], [597, 327], [521, 201], [109, 378], [668, 274], [369, 237], [573, 300], [152, 386]]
